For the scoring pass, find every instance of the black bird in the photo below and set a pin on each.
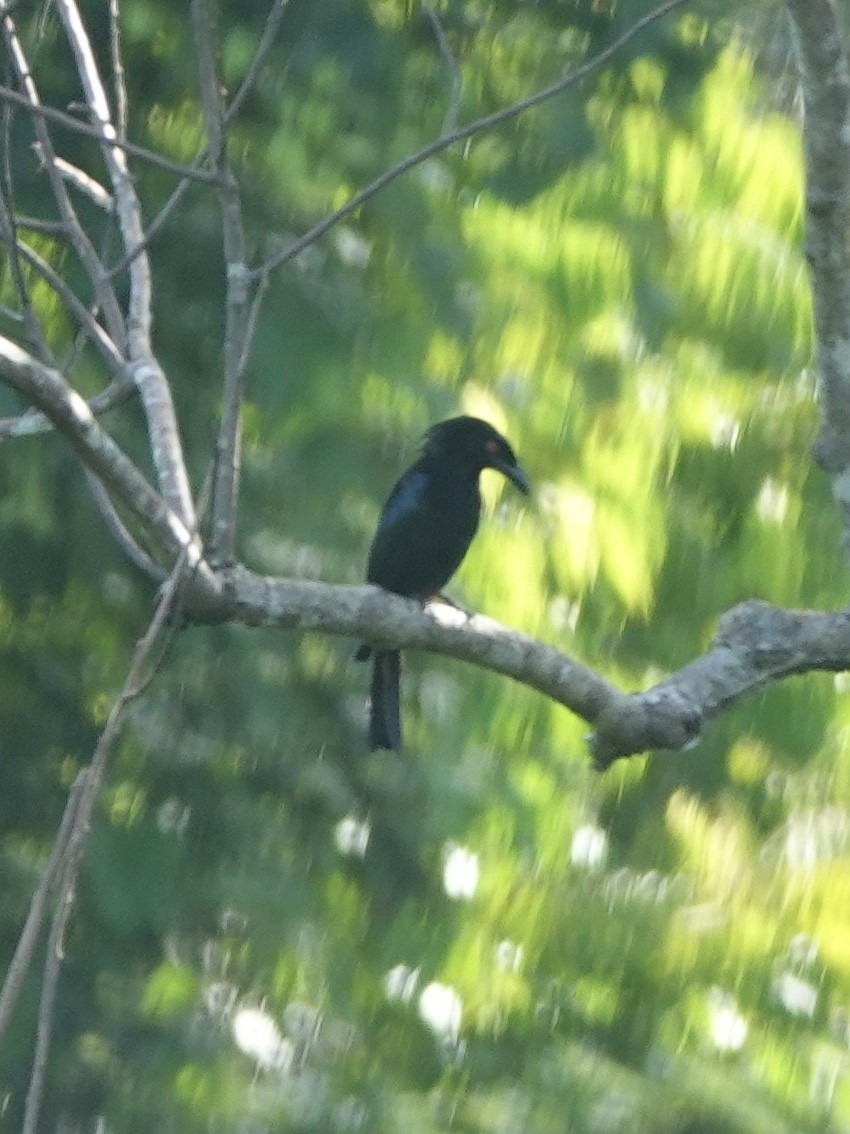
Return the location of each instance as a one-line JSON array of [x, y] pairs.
[[424, 531]]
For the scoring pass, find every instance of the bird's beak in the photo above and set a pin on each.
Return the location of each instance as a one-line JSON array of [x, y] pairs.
[[516, 475]]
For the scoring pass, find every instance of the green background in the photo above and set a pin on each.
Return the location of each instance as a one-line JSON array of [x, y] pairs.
[[616, 280]]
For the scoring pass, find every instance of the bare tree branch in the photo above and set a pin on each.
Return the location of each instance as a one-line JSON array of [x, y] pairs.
[[9, 236], [119, 83], [83, 183], [450, 119], [155, 392], [45, 388], [240, 312], [194, 173], [54, 956], [40, 224], [270, 30], [246, 86], [122, 385], [31, 931], [93, 331], [71, 854], [237, 302], [9, 223], [134, 552], [82, 245], [34, 421], [756, 643], [826, 96]]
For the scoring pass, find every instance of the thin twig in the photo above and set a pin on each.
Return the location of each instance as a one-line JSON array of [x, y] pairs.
[[265, 45], [81, 337], [40, 224], [155, 225], [155, 392], [479, 126], [9, 225], [33, 422], [253, 316], [84, 183], [119, 83], [95, 334], [31, 931], [131, 548], [49, 982], [450, 120], [79, 126], [76, 821], [246, 86], [237, 301], [45, 388], [136, 681], [82, 245], [32, 324]]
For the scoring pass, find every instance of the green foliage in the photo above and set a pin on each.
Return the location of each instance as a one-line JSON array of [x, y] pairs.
[[484, 935]]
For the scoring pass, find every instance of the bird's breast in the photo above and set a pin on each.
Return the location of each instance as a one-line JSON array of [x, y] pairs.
[[421, 548]]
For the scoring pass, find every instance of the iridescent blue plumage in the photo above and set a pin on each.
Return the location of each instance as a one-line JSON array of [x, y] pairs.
[[423, 533]]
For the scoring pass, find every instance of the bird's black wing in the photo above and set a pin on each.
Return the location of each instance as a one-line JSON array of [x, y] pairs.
[[424, 531], [395, 558]]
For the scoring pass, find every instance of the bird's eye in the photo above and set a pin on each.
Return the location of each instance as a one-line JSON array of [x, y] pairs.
[[492, 446]]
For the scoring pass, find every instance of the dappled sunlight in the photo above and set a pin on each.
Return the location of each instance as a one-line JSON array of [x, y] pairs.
[[351, 836], [442, 1010], [400, 983], [461, 872], [757, 156], [716, 847], [573, 533], [728, 1027], [256, 1035], [179, 130], [506, 566], [733, 274], [725, 432], [589, 847], [797, 996], [509, 956], [813, 837], [279, 929]]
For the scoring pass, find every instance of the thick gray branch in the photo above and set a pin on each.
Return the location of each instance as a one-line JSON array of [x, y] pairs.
[[387, 620], [826, 96], [756, 644]]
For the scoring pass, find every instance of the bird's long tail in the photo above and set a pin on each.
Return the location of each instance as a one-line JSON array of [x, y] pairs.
[[385, 714]]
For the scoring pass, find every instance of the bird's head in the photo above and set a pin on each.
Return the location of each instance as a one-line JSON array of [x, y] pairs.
[[476, 443]]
